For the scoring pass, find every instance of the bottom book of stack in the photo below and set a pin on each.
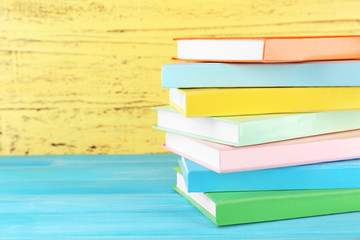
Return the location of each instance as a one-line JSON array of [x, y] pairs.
[[238, 207]]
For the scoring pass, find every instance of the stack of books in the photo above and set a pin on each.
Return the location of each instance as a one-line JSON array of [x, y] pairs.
[[267, 128]]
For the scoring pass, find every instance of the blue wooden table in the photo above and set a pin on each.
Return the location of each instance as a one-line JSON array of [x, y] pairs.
[[125, 197]]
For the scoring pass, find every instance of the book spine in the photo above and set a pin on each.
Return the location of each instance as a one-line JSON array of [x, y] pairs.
[[315, 203]]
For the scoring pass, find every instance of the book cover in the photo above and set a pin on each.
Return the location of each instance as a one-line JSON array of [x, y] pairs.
[[256, 129], [309, 74], [223, 158], [330, 175], [203, 102], [269, 49], [228, 208]]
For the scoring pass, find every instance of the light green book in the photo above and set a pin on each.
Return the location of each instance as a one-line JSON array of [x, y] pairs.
[[228, 208], [256, 129]]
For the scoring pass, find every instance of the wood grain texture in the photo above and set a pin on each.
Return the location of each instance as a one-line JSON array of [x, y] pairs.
[[125, 197], [80, 76]]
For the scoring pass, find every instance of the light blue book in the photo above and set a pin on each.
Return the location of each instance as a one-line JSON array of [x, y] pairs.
[[341, 174], [311, 74]]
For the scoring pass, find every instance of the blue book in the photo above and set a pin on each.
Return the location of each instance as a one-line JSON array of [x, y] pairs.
[[341, 174], [309, 74]]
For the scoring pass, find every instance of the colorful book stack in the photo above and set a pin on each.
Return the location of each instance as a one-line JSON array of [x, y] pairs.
[[263, 141]]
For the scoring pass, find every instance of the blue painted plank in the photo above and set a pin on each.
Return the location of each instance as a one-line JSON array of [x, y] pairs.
[[79, 160], [32, 187], [157, 214], [264, 237], [210, 237], [90, 203], [125, 197], [167, 224], [82, 174]]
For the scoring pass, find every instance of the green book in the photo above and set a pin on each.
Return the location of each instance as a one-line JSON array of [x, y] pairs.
[[256, 129], [227, 208]]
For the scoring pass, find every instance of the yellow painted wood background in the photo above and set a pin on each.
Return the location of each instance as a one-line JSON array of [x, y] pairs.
[[80, 76]]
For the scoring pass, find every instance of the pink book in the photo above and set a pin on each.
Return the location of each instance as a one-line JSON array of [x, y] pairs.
[[223, 158]]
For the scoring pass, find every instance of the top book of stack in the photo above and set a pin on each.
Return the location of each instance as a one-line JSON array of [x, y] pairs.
[[271, 49]]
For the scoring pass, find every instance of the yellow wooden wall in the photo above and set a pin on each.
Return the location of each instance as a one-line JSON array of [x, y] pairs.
[[80, 76]]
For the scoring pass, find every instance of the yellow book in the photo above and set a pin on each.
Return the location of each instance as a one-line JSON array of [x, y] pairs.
[[202, 102]]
